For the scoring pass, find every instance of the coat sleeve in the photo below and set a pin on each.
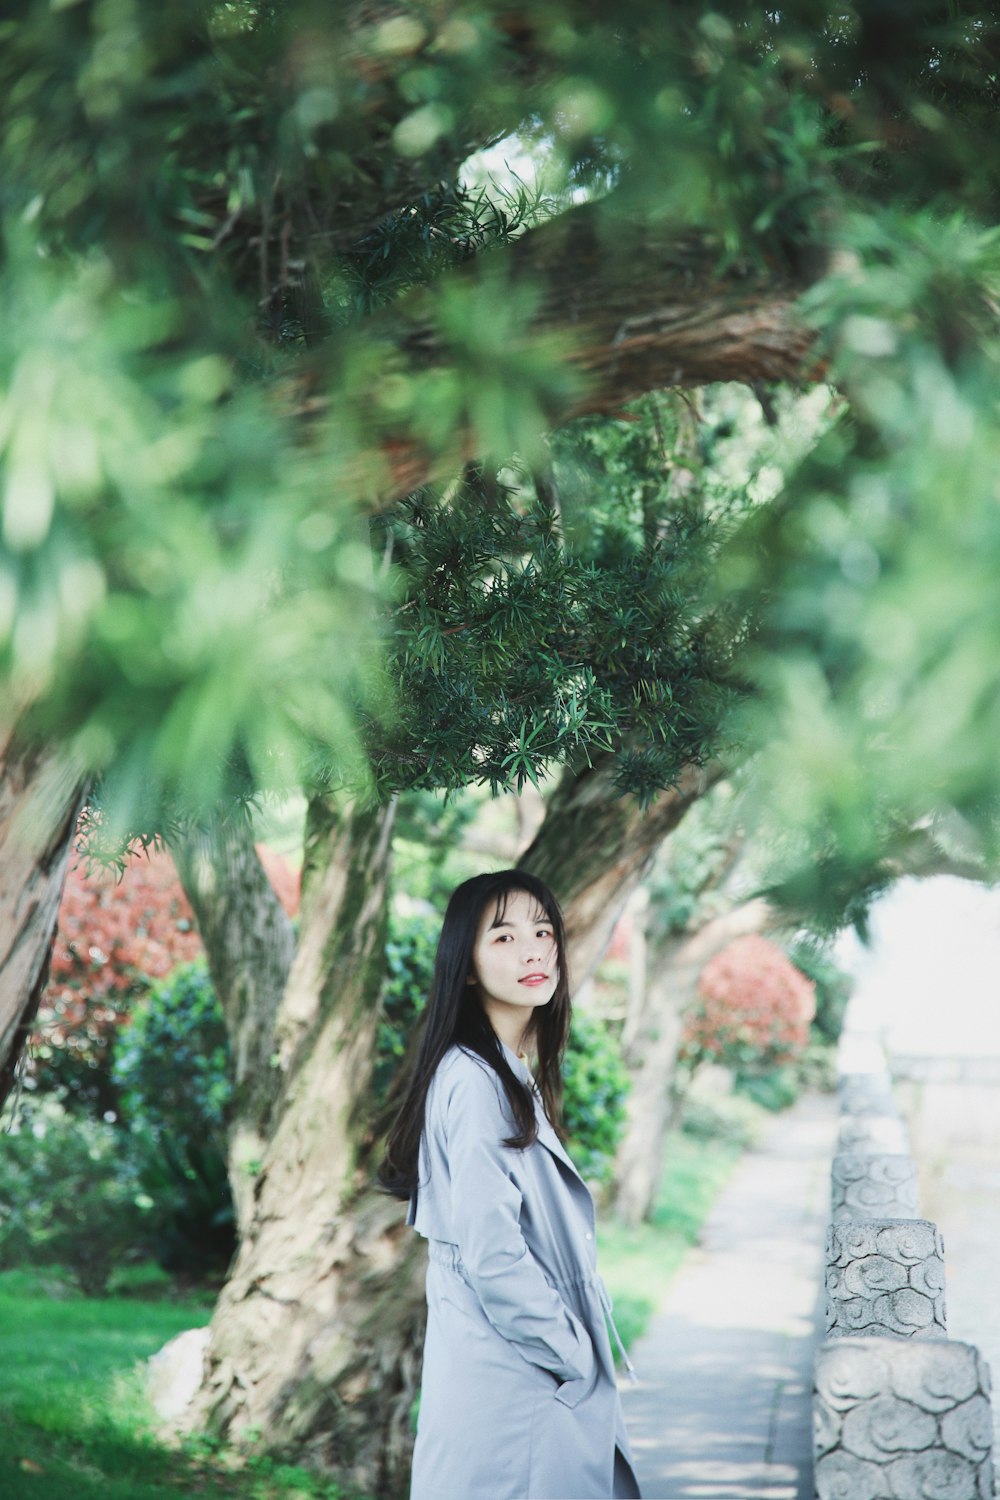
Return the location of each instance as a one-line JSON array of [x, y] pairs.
[[486, 1207]]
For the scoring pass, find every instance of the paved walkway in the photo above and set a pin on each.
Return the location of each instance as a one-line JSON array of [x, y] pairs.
[[722, 1410]]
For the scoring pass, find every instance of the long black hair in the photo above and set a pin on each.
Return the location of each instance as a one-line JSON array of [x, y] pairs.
[[454, 1015]]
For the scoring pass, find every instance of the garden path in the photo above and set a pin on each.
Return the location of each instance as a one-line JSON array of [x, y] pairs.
[[722, 1409]]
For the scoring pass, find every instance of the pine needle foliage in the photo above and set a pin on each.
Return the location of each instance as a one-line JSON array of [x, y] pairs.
[[516, 647]]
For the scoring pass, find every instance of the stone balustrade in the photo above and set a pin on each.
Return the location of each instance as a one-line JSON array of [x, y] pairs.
[[901, 1411], [882, 1135]]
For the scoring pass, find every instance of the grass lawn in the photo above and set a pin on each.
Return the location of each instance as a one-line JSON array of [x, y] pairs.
[[637, 1264], [74, 1423]]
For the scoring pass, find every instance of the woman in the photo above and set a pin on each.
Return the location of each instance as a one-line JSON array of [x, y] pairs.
[[519, 1399]]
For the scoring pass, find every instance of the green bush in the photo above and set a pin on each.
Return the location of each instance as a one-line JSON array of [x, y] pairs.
[[70, 1195], [595, 1083], [730, 1120], [173, 1070], [172, 1063]]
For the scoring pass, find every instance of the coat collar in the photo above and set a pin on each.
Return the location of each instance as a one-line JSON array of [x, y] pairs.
[[546, 1130]]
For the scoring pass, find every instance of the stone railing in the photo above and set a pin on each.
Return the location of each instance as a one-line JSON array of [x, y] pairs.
[[901, 1412]]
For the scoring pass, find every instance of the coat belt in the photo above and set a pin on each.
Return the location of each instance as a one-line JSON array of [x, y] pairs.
[[446, 1254]]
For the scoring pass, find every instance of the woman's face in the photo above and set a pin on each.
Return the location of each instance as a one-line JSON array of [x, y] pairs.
[[515, 963]]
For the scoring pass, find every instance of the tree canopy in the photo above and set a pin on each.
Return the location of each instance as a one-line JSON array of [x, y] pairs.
[[335, 453], [282, 498]]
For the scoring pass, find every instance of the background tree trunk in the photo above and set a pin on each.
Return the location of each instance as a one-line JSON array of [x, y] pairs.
[[41, 794], [675, 966], [250, 944], [594, 847]]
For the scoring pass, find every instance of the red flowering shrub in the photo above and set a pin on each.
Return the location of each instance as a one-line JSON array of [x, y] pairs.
[[114, 938], [753, 1008]]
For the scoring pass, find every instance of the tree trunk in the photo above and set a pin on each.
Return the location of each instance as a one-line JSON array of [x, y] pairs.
[[314, 1345], [675, 966], [250, 944], [41, 794], [594, 847]]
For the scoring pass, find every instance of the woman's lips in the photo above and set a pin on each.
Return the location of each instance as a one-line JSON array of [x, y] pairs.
[[534, 979]]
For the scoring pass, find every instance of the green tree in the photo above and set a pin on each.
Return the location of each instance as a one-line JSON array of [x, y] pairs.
[[250, 305]]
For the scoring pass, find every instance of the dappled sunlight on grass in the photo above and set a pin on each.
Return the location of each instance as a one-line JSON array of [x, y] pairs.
[[74, 1420]]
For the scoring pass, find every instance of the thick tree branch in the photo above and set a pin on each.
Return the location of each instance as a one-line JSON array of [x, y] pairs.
[[920, 852], [631, 309]]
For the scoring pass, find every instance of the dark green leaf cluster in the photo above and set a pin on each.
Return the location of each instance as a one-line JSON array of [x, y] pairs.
[[440, 229], [173, 1069], [515, 649], [409, 963], [205, 207]]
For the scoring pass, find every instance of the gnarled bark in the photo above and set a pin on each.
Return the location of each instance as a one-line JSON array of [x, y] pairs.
[[41, 794]]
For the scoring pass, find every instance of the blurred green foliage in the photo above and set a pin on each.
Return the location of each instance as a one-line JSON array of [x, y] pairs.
[[773, 1088], [96, 1195], [246, 284], [687, 880], [874, 575], [596, 1085], [409, 954], [833, 985]]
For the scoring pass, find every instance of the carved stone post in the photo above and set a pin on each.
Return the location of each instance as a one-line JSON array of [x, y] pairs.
[[885, 1279], [903, 1420], [870, 1186]]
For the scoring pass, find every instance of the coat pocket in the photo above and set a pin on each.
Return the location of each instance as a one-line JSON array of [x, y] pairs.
[[570, 1392]]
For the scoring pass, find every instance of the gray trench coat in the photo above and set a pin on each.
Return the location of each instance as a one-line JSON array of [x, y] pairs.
[[519, 1398]]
